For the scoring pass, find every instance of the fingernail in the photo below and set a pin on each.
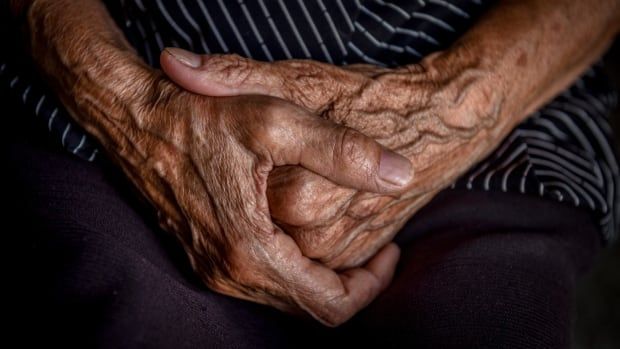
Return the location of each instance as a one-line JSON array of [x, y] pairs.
[[189, 59], [395, 168]]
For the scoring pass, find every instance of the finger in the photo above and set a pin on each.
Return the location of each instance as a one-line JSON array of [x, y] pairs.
[[380, 269], [334, 298], [363, 247], [338, 153], [301, 198], [219, 75], [310, 84]]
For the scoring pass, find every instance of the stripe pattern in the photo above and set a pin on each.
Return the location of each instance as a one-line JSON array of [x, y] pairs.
[[46, 110], [562, 152]]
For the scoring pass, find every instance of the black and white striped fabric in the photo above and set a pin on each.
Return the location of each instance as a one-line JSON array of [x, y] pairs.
[[562, 152]]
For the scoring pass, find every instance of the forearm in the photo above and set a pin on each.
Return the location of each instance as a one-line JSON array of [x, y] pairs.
[[523, 52], [514, 60], [537, 48], [105, 87], [85, 58], [517, 58]]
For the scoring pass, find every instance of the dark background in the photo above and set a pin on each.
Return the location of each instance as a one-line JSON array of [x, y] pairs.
[[597, 320]]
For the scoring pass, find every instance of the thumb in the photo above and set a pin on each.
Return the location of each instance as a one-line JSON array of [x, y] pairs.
[[217, 75], [338, 153]]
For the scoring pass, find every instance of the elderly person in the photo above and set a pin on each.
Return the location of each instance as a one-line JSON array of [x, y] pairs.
[[287, 145]]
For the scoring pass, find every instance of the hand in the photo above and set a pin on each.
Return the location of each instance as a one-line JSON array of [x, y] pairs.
[[431, 112], [446, 112], [203, 163], [209, 174]]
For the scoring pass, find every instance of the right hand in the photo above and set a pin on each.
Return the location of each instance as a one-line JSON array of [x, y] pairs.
[[204, 164]]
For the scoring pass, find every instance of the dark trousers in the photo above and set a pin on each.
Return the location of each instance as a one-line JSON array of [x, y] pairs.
[[89, 267]]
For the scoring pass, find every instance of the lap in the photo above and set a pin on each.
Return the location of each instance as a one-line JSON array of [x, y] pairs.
[[485, 270], [478, 268], [99, 270]]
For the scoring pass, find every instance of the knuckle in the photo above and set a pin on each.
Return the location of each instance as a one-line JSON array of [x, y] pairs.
[[326, 243], [367, 205], [301, 198], [234, 68], [315, 244], [274, 129], [350, 147], [291, 208], [357, 156], [274, 111], [271, 115]]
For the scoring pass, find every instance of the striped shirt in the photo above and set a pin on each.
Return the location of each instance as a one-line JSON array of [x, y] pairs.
[[562, 152]]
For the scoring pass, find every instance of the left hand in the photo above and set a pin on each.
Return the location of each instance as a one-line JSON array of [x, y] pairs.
[[443, 114]]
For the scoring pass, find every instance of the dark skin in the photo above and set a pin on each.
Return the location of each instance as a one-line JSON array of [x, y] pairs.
[[445, 113], [255, 176]]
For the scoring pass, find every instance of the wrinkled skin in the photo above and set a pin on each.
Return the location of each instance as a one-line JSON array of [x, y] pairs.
[[226, 174], [444, 114], [245, 254], [432, 114], [204, 162]]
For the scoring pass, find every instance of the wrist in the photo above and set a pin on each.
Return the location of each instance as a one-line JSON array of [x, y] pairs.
[[468, 91], [93, 70], [524, 45], [113, 90]]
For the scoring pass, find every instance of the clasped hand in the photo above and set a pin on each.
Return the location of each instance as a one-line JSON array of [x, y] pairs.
[[290, 186]]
